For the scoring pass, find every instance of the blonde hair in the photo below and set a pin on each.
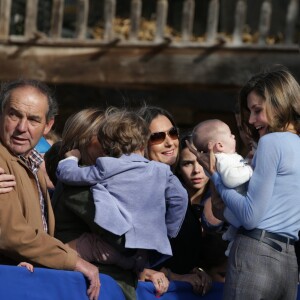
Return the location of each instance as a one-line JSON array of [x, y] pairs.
[[79, 130], [281, 93]]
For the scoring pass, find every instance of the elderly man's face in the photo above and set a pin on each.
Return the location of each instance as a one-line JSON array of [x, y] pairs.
[[23, 121]]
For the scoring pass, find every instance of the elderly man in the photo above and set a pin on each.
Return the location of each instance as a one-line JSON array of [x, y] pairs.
[[27, 112]]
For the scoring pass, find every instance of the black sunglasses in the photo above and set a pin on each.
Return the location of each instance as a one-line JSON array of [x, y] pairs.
[[159, 137]]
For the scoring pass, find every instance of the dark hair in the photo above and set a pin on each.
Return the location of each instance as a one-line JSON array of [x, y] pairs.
[[52, 158], [185, 136], [122, 132], [8, 87], [148, 113]]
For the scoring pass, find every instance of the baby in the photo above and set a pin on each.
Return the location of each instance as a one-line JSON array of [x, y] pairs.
[[233, 169]]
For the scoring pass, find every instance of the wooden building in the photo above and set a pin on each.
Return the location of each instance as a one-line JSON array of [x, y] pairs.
[[189, 56]]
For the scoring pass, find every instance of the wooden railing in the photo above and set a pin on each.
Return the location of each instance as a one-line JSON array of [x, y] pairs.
[[211, 36]]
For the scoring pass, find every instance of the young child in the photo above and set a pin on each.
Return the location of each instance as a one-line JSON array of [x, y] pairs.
[[147, 202], [233, 169]]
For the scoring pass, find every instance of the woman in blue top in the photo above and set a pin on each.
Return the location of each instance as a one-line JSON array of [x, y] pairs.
[[263, 264]]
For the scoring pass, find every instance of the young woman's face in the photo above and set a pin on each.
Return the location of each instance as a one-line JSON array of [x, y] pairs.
[[191, 171], [166, 151], [258, 115]]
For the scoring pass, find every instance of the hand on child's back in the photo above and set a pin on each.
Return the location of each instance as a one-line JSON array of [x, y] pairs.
[[73, 152]]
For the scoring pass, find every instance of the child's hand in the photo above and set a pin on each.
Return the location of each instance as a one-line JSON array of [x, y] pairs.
[[28, 266], [73, 152]]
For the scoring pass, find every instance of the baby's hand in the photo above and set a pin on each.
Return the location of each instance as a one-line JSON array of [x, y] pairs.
[[28, 266], [73, 152]]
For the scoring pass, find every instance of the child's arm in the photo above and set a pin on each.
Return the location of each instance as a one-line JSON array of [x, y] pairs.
[[176, 205], [69, 172], [28, 266]]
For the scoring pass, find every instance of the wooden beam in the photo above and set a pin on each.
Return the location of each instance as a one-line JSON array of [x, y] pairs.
[[109, 15], [135, 19], [138, 66], [265, 21], [212, 21], [188, 14], [161, 20], [291, 19], [82, 19], [5, 8], [31, 19], [240, 21], [57, 18]]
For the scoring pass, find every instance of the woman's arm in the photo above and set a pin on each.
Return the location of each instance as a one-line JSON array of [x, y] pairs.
[[251, 208]]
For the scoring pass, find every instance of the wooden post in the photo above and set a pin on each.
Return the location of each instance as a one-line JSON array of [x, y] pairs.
[[31, 18], [57, 18], [5, 9], [161, 19], [109, 15], [265, 21], [82, 19], [188, 14], [135, 18], [212, 21], [291, 19], [240, 20]]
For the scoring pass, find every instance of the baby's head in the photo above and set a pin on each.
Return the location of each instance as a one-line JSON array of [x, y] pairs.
[[123, 132], [214, 135]]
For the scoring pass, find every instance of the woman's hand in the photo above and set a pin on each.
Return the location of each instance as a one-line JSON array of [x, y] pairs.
[[159, 279], [73, 152], [205, 279], [206, 160], [7, 182], [200, 281]]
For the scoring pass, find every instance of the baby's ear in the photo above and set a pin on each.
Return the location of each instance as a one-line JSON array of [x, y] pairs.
[[218, 147]]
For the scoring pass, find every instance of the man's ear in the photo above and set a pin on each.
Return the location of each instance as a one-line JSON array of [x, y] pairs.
[[48, 126]]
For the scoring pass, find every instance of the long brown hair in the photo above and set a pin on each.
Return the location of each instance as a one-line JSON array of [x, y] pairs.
[[281, 93]]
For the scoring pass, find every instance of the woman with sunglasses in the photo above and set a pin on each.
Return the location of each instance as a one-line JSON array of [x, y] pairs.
[[163, 146]]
